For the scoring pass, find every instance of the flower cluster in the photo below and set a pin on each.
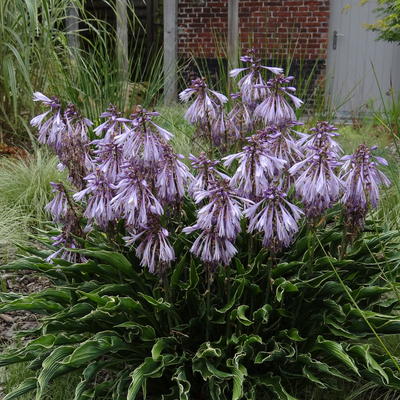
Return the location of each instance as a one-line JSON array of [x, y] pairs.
[[361, 180], [219, 223], [257, 167], [206, 112], [63, 211], [129, 180], [66, 133], [275, 217], [317, 184], [252, 85], [131, 173]]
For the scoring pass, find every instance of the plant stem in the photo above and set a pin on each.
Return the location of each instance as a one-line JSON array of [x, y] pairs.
[[208, 300], [310, 263], [311, 248], [270, 264], [164, 279], [343, 245], [228, 296]]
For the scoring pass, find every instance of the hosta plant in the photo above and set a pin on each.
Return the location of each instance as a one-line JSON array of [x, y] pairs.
[[250, 276]]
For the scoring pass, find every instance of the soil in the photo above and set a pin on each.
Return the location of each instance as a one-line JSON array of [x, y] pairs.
[[12, 322]]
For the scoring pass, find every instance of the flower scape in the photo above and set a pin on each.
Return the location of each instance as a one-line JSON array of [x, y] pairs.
[[211, 277]]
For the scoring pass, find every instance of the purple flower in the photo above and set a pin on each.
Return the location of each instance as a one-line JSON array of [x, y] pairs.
[[114, 125], [317, 184], [206, 175], [257, 167], [134, 199], [275, 109], [58, 207], [49, 129], [240, 119], [361, 179], [219, 222], [275, 217], [66, 134], [212, 249], [66, 241], [222, 213], [219, 128], [108, 157], [205, 106], [281, 144], [74, 146], [172, 176], [100, 194], [142, 140], [322, 135], [77, 126], [154, 251], [252, 85]]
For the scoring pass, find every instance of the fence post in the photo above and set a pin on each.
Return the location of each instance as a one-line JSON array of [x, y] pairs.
[[170, 50], [122, 38], [233, 35], [72, 25]]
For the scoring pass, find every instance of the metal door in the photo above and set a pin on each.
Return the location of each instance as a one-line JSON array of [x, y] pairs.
[[359, 67]]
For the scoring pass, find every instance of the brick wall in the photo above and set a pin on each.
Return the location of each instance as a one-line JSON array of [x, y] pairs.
[[295, 27]]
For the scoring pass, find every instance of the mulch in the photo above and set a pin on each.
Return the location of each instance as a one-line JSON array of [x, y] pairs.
[[12, 322], [25, 282]]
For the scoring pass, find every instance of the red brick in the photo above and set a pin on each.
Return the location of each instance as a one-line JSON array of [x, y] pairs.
[[287, 26]]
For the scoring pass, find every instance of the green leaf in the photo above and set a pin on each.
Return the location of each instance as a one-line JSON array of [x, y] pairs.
[[158, 347], [369, 291], [32, 303], [145, 332], [100, 300], [322, 367], [240, 315], [284, 286], [274, 384], [207, 351], [309, 375], [292, 334], [262, 314], [193, 276], [26, 386], [336, 350], [89, 372], [176, 275], [159, 304], [260, 257], [363, 352], [239, 266], [148, 368], [238, 293], [52, 366], [182, 382], [239, 372], [101, 344], [117, 260], [209, 371], [284, 268], [266, 356]]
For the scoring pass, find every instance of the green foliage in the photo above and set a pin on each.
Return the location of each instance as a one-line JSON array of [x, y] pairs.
[[35, 56], [13, 231], [59, 389], [25, 183], [183, 141], [388, 25], [318, 322]]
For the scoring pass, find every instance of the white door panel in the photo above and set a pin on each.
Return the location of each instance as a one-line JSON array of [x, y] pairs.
[[351, 82]]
